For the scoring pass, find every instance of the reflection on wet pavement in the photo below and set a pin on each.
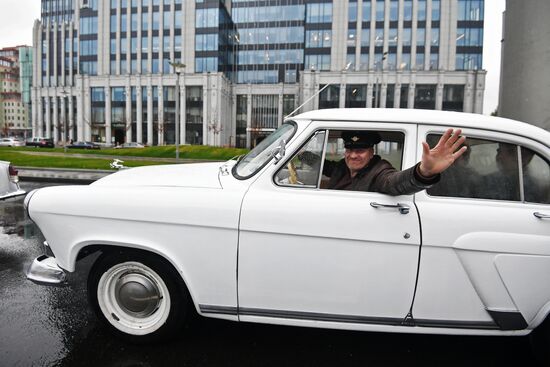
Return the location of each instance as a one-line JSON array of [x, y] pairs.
[[45, 326]]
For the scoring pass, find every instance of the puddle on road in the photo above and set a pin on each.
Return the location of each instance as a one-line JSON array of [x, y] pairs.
[[37, 322]]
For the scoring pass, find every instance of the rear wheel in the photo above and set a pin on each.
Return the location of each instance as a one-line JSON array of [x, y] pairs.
[[137, 295]]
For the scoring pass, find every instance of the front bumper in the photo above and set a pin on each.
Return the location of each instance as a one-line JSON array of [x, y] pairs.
[[45, 271]]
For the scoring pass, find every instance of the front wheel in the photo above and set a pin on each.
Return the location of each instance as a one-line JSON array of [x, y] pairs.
[[137, 295]]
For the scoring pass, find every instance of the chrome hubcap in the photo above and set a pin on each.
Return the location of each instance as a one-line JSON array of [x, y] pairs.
[[133, 298], [137, 294]]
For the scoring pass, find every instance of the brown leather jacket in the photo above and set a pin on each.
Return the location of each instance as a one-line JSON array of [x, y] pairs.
[[379, 176]]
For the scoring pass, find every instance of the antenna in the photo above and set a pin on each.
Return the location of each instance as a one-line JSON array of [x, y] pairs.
[[316, 94]]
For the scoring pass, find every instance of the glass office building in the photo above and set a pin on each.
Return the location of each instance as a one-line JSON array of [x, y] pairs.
[[103, 67]]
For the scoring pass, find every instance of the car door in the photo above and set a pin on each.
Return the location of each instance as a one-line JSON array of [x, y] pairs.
[[327, 255], [486, 236]]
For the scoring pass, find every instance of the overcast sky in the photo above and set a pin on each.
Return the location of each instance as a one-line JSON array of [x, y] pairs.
[[17, 17]]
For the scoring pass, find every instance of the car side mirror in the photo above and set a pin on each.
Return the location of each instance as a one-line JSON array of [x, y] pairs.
[[279, 152]]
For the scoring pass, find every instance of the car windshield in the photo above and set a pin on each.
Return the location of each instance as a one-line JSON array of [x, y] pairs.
[[258, 157]]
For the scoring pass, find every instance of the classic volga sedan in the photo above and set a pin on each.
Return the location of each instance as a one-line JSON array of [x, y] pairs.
[[263, 238]]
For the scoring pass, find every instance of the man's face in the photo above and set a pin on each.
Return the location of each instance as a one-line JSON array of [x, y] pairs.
[[356, 159]]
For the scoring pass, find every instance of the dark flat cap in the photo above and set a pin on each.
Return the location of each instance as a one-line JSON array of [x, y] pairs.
[[360, 139]]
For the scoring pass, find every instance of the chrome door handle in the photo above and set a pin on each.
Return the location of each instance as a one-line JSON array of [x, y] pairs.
[[541, 216], [403, 208]]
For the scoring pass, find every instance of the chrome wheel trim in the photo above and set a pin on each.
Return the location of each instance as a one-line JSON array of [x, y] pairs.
[[133, 298]]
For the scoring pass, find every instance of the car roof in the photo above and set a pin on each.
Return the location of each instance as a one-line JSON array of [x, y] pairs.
[[429, 117]]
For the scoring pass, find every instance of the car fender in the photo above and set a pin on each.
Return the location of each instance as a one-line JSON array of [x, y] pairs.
[[173, 222], [502, 266]]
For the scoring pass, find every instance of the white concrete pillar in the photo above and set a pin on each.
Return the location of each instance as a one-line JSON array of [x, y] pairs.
[[80, 110], [248, 116], [63, 121], [48, 131], [161, 123], [71, 122], [108, 114], [40, 113], [149, 113], [55, 107], [183, 109], [87, 110], [128, 95], [139, 114]]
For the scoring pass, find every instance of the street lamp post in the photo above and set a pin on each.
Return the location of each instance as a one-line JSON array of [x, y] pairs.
[[65, 136], [178, 67], [379, 69]]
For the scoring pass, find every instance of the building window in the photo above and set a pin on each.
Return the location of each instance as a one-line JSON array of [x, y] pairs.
[[420, 36], [204, 64], [468, 61], [317, 62], [156, 21], [366, 10], [436, 10], [145, 21], [453, 98], [364, 62], [394, 10], [352, 12], [421, 13], [205, 18], [356, 96], [419, 64], [470, 10], [193, 115], [435, 37], [321, 38], [434, 61], [330, 97], [351, 39], [379, 10], [319, 13], [424, 97], [469, 37]]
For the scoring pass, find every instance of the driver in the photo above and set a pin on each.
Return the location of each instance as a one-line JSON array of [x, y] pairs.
[[362, 170]]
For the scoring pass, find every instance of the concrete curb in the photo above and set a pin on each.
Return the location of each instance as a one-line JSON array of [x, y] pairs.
[[80, 176]]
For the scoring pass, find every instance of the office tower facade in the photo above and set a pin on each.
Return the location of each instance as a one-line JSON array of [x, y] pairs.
[[103, 67]]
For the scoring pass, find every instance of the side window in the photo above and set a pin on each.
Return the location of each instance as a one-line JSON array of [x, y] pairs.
[[390, 147], [303, 168], [536, 177], [487, 170]]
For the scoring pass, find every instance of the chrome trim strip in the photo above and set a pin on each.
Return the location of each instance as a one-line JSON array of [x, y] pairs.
[[453, 324], [224, 310], [352, 319], [319, 316]]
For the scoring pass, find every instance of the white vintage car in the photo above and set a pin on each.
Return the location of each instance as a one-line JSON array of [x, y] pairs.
[[261, 238], [9, 181]]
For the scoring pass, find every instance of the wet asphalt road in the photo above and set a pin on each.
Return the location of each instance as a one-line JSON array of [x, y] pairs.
[[45, 326]]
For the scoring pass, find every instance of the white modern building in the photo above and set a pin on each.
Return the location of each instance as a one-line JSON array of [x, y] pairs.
[[103, 72]]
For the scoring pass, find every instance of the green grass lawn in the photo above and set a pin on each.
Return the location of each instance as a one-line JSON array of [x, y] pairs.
[[18, 158], [166, 151], [23, 160]]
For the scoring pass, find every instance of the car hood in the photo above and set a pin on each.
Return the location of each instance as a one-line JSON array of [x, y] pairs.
[[180, 175]]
